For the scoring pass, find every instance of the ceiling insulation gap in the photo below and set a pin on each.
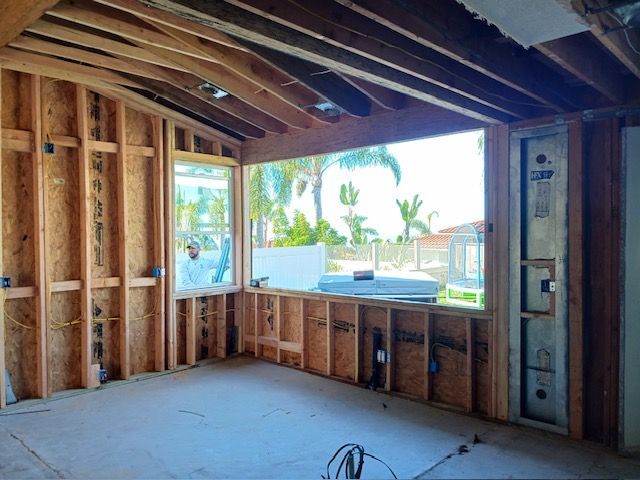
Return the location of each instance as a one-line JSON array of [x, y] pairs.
[[529, 22]]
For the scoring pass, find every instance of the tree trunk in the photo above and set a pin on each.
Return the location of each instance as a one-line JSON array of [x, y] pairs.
[[260, 232], [317, 199]]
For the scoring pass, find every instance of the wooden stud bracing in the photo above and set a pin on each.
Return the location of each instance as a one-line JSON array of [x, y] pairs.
[[191, 331], [159, 242], [3, 293]]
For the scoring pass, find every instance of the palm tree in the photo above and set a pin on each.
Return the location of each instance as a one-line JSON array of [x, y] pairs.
[[311, 169], [359, 233], [270, 186], [409, 212]]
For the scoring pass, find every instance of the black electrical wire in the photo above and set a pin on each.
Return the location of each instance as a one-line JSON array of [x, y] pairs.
[[348, 461]]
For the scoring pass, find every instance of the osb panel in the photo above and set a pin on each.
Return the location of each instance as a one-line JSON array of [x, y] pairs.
[[482, 366], [59, 107], [372, 317], [290, 358], [64, 346], [139, 128], [317, 335], [21, 347], [344, 340], [290, 316], [248, 321], [16, 100], [17, 218], [269, 353], [141, 329], [266, 316], [449, 385], [206, 327], [140, 212], [181, 331], [107, 300], [102, 117], [408, 354], [104, 215], [62, 216]]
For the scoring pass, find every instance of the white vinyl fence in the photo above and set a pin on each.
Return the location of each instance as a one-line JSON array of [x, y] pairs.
[[297, 268]]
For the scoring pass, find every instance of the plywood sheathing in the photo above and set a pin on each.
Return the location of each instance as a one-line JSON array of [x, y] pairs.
[[408, 359], [21, 347], [141, 330], [249, 324], [181, 332], [481, 365], [291, 318], [344, 340], [267, 324], [15, 95], [372, 318], [64, 346], [449, 350], [108, 301]]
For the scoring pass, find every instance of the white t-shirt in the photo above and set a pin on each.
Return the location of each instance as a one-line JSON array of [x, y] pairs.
[[197, 273]]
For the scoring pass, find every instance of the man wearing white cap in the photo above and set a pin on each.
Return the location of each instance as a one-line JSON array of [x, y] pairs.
[[196, 272]]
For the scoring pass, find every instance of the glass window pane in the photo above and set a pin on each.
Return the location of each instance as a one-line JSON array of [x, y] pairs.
[[203, 230]]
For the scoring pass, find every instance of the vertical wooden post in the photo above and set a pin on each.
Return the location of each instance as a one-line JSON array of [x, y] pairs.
[[189, 140], [169, 244], [357, 363], [388, 386], [279, 322], [221, 336], [256, 327], [330, 344], [237, 228], [576, 281], [46, 286], [123, 227], [3, 391], [85, 235], [158, 241], [191, 331], [39, 240], [428, 329], [246, 231], [304, 356], [471, 354]]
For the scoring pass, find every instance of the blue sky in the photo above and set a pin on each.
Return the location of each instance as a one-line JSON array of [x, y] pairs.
[[447, 172]]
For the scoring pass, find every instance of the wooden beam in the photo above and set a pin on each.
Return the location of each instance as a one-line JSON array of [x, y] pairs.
[[19, 14], [41, 302], [380, 95], [231, 115], [169, 205], [324, 82], [234, 21], [123, 234], [576, 283], [3, 292], [330, 312], [316, 20], [95, 59], [84, 201], [18, 140], [248, 91], [191, 331], [204, 158], [430, 24], [576, 55], [158, 242], [68, 34], [407, 124], [248, 66]]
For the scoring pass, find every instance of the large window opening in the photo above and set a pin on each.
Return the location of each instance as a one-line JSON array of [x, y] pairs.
[[203, 231], [403, 221]]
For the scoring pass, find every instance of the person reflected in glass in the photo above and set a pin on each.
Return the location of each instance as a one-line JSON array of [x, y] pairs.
[[196, 271]]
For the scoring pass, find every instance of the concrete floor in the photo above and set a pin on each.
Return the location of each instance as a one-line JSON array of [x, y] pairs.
[[245, 418]]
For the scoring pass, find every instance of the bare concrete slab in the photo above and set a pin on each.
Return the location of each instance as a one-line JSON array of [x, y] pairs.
[[244, 418]]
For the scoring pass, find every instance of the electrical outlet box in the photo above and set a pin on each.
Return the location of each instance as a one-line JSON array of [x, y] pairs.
[[5, 282], [547, 286], [48, 148], [433, 366], [158, 272], [383, 356]]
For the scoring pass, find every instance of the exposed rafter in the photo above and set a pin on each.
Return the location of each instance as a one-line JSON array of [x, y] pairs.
[[16, 15]]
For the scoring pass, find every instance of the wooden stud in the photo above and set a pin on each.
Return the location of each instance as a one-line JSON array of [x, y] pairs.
[[238, 320], [428, 325], [304, 311], [191, 331], [237, 227], [3, 391], [388, 385], [256, 327], [121, 138], [357, 361], [189, 140], [279, 326], [245, 254], [170, 304], [39, 239], [159, 241], [85, 236], [330, 343], [471, 380], [221, 337]]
